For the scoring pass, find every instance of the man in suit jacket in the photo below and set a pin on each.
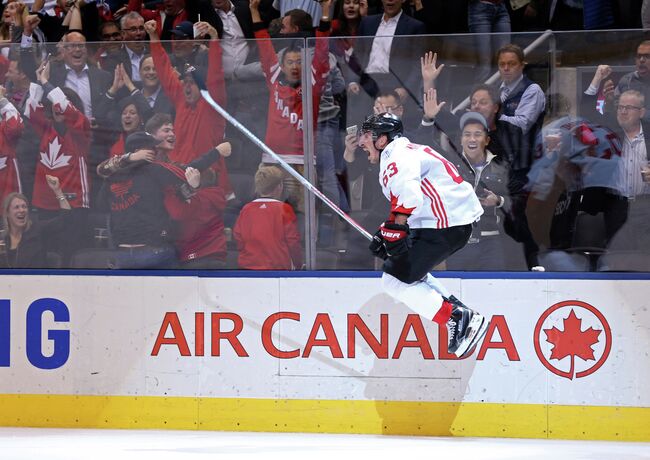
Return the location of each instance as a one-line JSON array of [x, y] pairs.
[[234, 24], [135, 46], [131, 51], [91, 84], [383, 63], [208, 11]]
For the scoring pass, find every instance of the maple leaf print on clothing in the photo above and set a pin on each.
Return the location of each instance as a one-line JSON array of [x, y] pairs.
[[52, 159], [397, 206], [572, 341]]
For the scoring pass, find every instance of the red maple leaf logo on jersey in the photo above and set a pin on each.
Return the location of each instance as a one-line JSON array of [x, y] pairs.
[[572, 341], [396, 206], [120, 189]]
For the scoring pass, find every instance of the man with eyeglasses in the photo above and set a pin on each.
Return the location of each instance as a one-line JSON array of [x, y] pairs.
[[630, 110], [626, 208], [109, 54], [91, 84], [134, 37], [634, 174], [390, 102]]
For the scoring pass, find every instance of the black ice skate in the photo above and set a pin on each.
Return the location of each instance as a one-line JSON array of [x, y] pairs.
[[464, 329]]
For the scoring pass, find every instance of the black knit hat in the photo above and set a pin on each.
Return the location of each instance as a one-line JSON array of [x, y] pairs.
[[199, 75], [139, 140]]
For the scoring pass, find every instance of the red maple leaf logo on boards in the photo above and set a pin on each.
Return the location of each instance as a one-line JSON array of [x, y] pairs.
[[573, 341]]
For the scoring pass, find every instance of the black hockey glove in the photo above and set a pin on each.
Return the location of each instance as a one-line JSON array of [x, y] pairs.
[[377, 246], [395, 238]]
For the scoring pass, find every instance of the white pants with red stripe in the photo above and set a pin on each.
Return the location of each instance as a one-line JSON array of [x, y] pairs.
[[425, 297]]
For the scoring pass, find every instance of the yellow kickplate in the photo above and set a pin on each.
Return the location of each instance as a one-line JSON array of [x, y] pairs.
[[327, 416]]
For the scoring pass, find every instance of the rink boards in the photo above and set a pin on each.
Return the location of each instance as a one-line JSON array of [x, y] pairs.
[[563, 358]]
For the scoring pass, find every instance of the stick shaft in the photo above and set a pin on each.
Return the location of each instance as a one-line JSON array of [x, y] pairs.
[[284, 164]]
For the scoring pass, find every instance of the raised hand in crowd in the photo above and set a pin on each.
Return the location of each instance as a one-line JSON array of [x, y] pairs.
[[117, 14], [417, 5], [430, 72], [17, 20], [325, 9], [55, 185], [152, 29], [363, 8], [602, 72], [431, 106], [30, 24], [254, 6], [43, 73], [204, 29]]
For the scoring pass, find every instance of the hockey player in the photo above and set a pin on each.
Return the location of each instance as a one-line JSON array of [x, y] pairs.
[[432, 211]]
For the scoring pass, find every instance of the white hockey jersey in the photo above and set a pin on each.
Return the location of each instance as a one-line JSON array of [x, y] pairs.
[[420, 182]]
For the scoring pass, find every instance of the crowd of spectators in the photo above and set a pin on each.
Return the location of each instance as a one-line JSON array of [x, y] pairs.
[[111, 157]]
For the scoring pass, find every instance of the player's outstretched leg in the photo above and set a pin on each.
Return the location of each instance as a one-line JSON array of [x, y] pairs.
[[464, 329]]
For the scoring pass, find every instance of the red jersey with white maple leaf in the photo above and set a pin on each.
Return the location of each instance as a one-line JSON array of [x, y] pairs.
[[63, 155], [267, 236], [11, 127]]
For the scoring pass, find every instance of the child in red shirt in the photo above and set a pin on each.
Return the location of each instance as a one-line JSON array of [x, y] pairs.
[[266, 231]]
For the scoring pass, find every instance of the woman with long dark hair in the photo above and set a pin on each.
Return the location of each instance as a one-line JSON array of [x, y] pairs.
[[346, 24]]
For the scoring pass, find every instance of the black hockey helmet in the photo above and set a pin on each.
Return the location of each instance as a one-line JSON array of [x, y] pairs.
[[383, 123]]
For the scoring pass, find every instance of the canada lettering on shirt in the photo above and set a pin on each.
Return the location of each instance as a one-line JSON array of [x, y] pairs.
[[123, 196], [285, 112]]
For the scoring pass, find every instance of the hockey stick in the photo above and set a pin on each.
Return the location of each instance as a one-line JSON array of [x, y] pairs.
[[284, 164]]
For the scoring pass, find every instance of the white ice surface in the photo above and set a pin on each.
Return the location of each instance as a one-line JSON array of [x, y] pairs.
[[69, 444]]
